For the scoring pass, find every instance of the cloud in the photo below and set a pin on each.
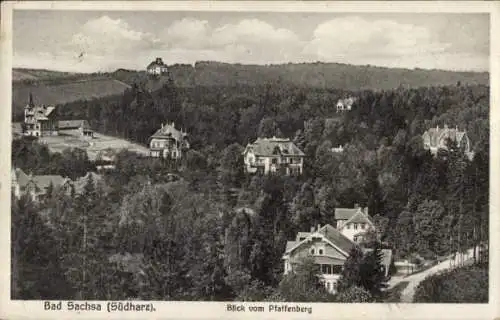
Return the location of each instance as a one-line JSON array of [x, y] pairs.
[[355, 38], [109, 44], [188, 33], [106, 37]]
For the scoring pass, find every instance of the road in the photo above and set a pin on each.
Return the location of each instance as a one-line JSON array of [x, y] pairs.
[[415, 279]]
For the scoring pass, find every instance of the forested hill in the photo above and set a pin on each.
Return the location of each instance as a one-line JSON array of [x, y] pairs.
[[320, 75]]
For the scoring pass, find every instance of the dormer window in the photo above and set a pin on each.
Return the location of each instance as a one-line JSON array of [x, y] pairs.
[[313, 251], [302, 239], [320, 252]]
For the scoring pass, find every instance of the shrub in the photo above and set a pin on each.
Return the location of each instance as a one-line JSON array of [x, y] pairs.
[[463, 285], [353, 294]]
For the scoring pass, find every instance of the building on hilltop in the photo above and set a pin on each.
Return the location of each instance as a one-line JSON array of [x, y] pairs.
[[40, 120], [157, 67], [353, 223], [345, 104], [273, 155], [436, 139], [168, 142], [329, 249]]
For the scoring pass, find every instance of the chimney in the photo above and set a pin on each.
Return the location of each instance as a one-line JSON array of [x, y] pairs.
[[162, 125], [445, 126], [319, 227], [365, 210], [312, 229], [173, 124], [356, 206]]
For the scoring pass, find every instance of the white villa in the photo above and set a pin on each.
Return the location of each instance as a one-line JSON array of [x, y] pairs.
[[273, 156]]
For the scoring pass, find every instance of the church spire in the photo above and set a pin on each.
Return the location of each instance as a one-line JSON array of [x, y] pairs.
[[31, 104]]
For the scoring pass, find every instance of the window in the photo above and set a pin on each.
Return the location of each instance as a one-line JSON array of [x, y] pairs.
[[363, 225], [320, 251], [355, 226], [312, 251], [328, 286], [355, 238], [301, 239], [274, 161], [348, 226], [326, 269], [336, 269]]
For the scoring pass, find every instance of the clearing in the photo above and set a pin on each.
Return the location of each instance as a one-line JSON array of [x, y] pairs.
[[100, 142]]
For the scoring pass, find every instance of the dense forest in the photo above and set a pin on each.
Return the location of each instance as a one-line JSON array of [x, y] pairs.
[[218, 234]]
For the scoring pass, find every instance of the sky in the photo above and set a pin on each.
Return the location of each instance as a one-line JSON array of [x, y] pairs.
[[91, 41]]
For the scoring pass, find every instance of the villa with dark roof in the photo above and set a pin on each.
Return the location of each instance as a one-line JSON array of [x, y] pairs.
[[436, 139], [168, 142], [157, 67], [329, 249], [273, 156], [35, 186], [39, 120], [353, 223]]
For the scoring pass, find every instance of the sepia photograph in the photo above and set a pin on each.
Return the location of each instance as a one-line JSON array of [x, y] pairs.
[[243, 156]]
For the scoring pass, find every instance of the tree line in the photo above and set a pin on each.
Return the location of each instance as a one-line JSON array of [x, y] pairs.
[[192, 238]]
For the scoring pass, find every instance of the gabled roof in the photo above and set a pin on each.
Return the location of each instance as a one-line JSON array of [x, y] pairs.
[[21, 177], [274, 146], [331, 234], [44, 181], [438, 134], [169, 131], [41, 112], [337, 238], [73, 124], [359, 217]]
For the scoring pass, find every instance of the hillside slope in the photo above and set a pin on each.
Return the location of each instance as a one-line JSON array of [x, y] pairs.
[[68, 91], [327, 75]]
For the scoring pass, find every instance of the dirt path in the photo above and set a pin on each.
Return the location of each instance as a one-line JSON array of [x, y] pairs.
[[414, 280]]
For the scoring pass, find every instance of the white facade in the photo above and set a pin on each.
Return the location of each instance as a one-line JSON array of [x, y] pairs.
[[273, 156]]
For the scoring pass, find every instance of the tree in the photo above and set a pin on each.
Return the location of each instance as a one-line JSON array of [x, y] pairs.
[[268, 128], [304, 284], [354, 294], [363, 270], [427, 227], [36, 273], [231, 168]]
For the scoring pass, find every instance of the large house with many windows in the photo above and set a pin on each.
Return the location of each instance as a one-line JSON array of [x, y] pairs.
[[168, 142], [353, 223], [157, 67], [329, 249], [39, 120], [436, 139], [273, 156]]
